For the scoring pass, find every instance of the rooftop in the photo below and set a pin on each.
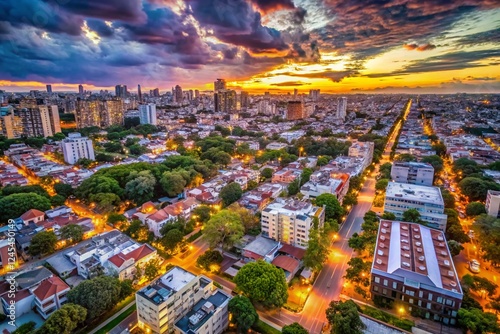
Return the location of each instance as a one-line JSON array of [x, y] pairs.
[[414, 192], [261, 246], [417, 254], [413, 164]]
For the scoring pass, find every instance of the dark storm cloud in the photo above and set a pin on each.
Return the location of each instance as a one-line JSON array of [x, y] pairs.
[[335, 76], [270, 5], [235, 22], [490, 36], [290, 84], [100, 27], [122, 10]]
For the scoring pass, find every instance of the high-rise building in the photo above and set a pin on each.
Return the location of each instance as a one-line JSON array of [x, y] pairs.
[[100, 113], [80, 89], [341, 108], [163, 305], [219, 84], [314, 94], [196, 94], [49, 88], [244, 100], [121, 91], [225, 101], [29, 102], [428, 201], [139, 93], [295, 110], [147, 113], [155, 92], [41, 121], [413, 269], [289, 221], [493, 203], [412, 172], [190, 95], [295, 92], [178, 97], [77, 147], [11, 125]]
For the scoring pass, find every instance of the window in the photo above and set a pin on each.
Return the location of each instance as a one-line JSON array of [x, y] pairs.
[[375, 288], [394, 285], [428, 306], [377, 279], [430, 296], [440, 300], [384, 291], [420, 294], [386, 283]]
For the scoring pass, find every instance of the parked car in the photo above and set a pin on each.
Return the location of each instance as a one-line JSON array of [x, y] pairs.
[[474, 266]]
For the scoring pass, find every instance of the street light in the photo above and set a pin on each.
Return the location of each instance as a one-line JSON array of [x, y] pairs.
[[401, 312]]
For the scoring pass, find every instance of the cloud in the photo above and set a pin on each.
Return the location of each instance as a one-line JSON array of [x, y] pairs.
[[490, 36], [268, 6], [415, 46], [122, 10], [290, 83], [335, 76]]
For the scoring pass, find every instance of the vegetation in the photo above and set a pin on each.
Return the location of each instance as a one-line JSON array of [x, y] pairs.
[[26, 328], [367, 239], [14, 205], [230, 194], [343, 318], [224, 229], [244, 314], [262, 282], [73, 233], [64, 320], [293, 187], [475, 209], [333, 210], [294, 328], [488, 236], [317, 249], [210, 260], [43, 242]]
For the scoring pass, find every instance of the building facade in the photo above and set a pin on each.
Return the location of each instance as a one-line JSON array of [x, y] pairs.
[[76, 147], [39, 121], [493, 203], [413, 266], [341, 108], [295, 110], [412, 172], [147, 113], [289, 221], [100, 113], [428, 201]]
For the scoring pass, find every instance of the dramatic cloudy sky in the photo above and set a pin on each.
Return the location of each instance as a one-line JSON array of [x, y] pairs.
[[392, 46]]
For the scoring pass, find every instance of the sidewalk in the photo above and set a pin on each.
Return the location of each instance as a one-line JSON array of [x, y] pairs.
[[112, 318]]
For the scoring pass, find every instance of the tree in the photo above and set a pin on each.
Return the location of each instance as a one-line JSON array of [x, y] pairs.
[[488, 235], [209, 259], [305, 176], [57, 200], [464, 167], [262, 282], [324, 160], [141, 186], [477, 321], [139, 231], [266, 173], [411, 215], [293, 187], [97, 184], [455, 247], [26, 328], [243, 313], [37, 189], [358, 271], [230, 193], [317, 249], [43, 243], [64, 320], [172, 240], [406, 157], [440, 148], [381, 184], [84, 163], [478, 283], [14, 205], [476, 189], [343, 318], [223, 229], [436, 161], [475, 209], [448, 199], [294, 328], [172, 183], [126, 288], [201, 213], [105, 202], [137, 149], [72, 232], [389, 216], [151, 269], [116, 219], [63, 189], [248, 219], [385, 170], [333, 210], [97, 295]]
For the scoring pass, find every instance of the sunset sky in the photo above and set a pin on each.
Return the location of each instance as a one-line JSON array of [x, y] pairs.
[[338, 46]]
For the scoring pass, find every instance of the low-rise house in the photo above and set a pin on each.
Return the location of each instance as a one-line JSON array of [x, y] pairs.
[[50, 295], [32, 216], [124, 263], [170, 213]]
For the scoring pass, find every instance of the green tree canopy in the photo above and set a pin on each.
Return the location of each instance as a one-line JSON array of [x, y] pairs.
[[244, 314], [63, 189], [230, 193], [455, 247], [37, 189], [411, 215], [488, 236], [385, 170], [317, 249], [152, 268], [43, 242], [141, 186], [343, 318], [72, 232], [358, 271], [266, 173], [172, 183], [436, 161], [209, 258], [381, 184], [406, 157], [294, 328], [26, 328], [333, 210], [475, 209], [293, 187], [476, 189], [448, 199], [477, 321], [13, 206], [172, 240], [262, 282], [201, 213], [64, 320], [223, 229], [97, 184]]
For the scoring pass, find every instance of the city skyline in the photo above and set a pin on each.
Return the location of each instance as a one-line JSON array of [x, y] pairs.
[[277, 46]]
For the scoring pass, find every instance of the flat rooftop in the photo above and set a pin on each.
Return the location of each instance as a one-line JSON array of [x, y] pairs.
[[290, 207], [414, 192], [413, 164], [416, 254]]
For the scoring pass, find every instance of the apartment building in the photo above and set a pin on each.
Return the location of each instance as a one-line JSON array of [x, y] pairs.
[[413, 267], [428, 201], [41, 121], [100, 113], [162, 304], [147, 113], [289, 221], [412, 172], [363, 150], [76, 147], [493, 203], [50, 295], [324, 182]]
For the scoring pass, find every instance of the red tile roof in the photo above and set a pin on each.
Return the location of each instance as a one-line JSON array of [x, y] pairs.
[[32, 214], [286, 262], [50, 287], [295, 252], [137, 254]]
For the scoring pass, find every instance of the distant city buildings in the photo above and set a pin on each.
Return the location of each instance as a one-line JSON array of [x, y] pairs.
[[428, 201], [139, 93], [295, 110], [341, 108], [412, 172], [77, 147], [121, 91], [363, 150], [99, 112], [413, 267], [314, 94], [289, 221], [493, 203], [177, 94], [244, 100], [80, 89], [49, 89], [147, 113], [225, 101], [219, 84]]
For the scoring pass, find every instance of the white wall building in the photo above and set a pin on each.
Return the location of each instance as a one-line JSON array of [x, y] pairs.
[[289, 221], [363, 150], [342, 108], [76, 147], [147, 113], [493, 203], [412, 172], [428, 201]]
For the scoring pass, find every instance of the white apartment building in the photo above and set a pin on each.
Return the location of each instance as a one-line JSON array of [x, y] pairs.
[[147, 113], [412, 172], [493, 203], [363, 150], [324, 182], [428, 201], [50, 120], [289, 221], [341, 108], [76, 147], [162, 304]]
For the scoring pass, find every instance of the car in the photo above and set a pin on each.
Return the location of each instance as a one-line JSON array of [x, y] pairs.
[[474, 266], [471, 234]]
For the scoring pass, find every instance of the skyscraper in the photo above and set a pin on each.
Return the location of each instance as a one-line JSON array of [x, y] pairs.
[[41, 121], [76, 147], [220, 84], [80, 89], [244, 100], [49, 88], [295, 110], [121, 91], [341, 108], [100, 113], [225, 100], [147, 113], [314, 94], [295, 92], [178, 94], [196, 94], [139, 93]]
